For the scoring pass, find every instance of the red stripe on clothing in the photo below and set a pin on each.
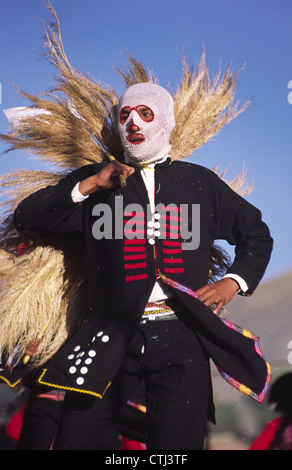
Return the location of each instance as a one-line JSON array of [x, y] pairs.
[[135, 265], [137, 241], [134, 248], [171, 243], [137, 277], [134, 222], [140, 232], [132, 257], [171, 234], [134, 214], [171, 208], [171, 217], [170, 251]]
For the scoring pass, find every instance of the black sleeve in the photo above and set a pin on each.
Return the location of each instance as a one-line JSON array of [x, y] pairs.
[[241, 224], [51, 210]]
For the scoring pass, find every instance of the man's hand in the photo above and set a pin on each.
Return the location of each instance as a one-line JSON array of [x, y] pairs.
[[32, 347], [220, 293], [107, 178]]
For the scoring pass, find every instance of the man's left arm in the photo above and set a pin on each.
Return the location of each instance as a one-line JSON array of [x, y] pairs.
[[240, 224]]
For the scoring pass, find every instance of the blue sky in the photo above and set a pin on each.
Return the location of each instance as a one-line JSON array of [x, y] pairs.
[[253, 33]]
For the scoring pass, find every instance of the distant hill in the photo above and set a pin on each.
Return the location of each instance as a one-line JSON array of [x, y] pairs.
[[268, 314]]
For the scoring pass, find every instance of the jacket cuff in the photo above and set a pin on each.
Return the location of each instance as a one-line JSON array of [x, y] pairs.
[[76, 194], [244, 289]]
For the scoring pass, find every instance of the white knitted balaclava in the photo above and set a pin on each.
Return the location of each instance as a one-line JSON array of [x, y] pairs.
[[152, 137]]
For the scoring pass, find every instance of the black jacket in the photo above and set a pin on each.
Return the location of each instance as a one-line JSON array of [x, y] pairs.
[[120, 280]]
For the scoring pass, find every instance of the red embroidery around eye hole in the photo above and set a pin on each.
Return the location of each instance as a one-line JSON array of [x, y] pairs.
[[135, 108]]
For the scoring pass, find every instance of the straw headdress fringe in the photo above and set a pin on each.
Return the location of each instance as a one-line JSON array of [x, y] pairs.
[[41, 282], [202, 107]]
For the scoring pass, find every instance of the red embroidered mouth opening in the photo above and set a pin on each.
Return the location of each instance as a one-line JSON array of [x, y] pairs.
[[135, 138]]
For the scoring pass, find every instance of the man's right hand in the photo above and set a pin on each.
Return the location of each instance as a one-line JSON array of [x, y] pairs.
[[107, 178]]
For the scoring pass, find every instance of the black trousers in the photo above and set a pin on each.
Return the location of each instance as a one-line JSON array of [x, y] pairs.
[[42, 420], [167, 356]]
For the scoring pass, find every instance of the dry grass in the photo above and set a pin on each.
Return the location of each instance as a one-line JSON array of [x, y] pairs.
[[202, 107], [36, 292]]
